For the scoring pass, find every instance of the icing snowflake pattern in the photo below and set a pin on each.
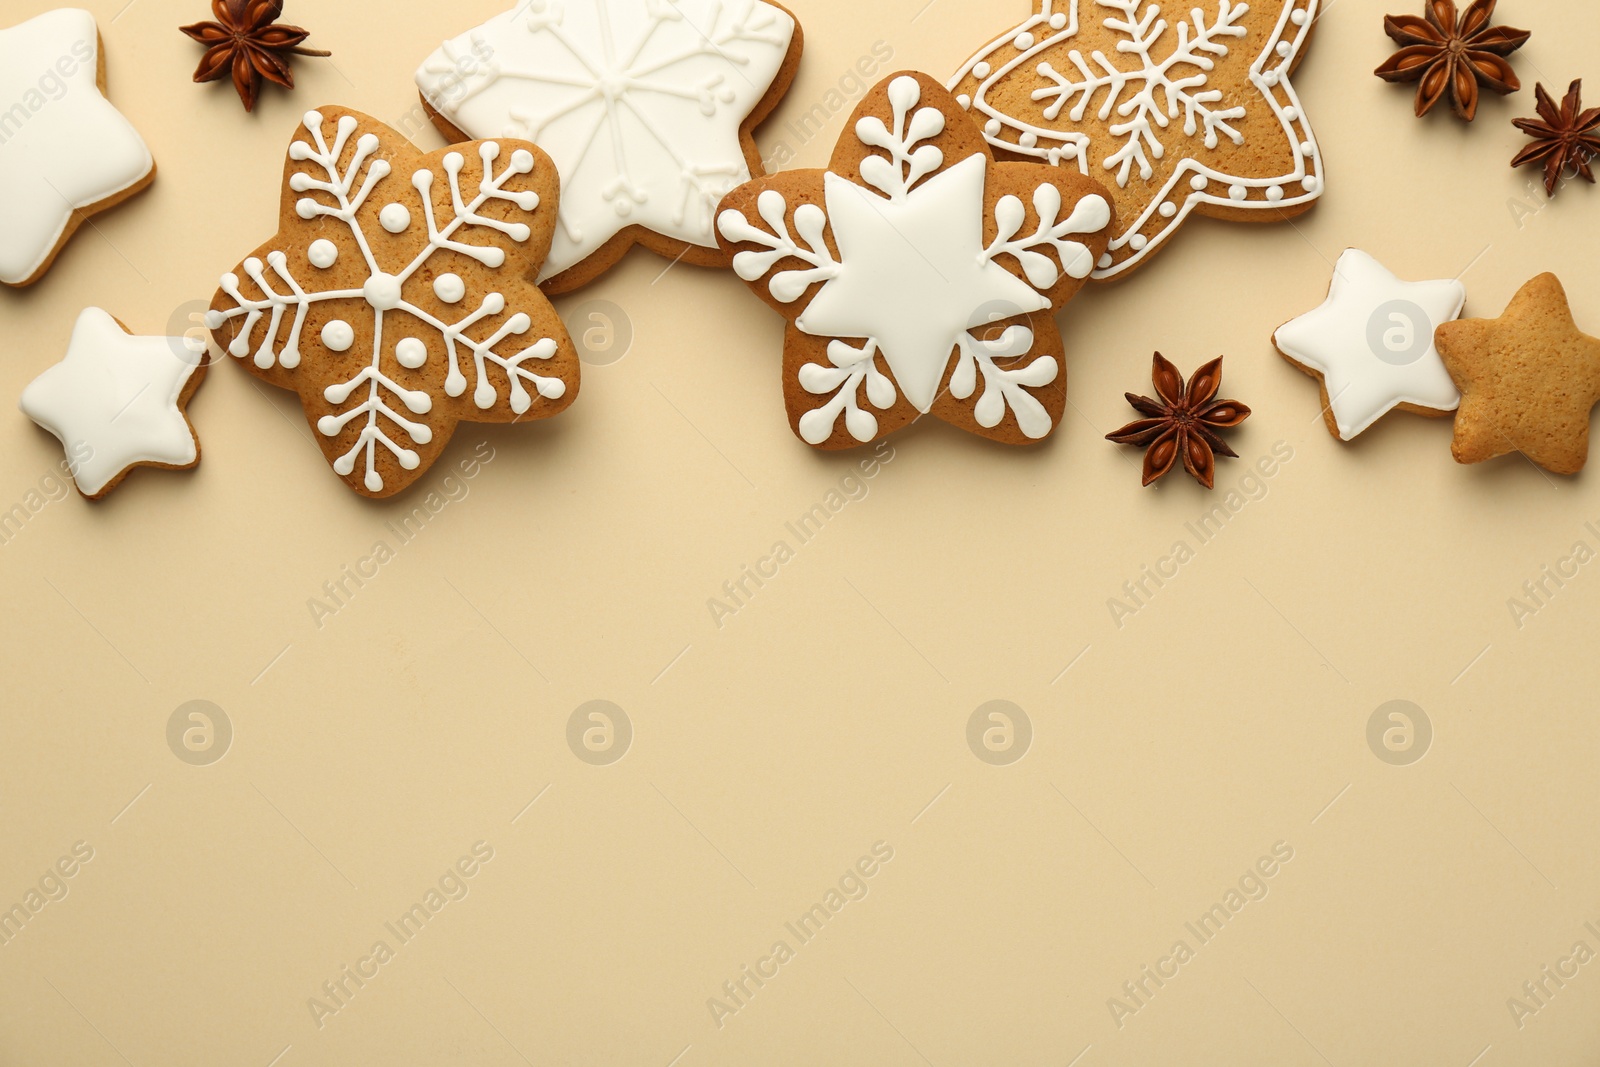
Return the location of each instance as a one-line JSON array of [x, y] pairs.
[[1153, 95], [639, 102], [436, 357], [896, 267]]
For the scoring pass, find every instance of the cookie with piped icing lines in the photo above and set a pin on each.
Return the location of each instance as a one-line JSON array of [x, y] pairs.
[[918, 275], [648, 108], [1180, 106], [65, 152], [398, 296]]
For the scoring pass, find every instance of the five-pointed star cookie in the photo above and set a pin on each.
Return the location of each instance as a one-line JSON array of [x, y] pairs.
[[1371, 345], [915, 269], [1179, 106], [65, 152], [1528, 380], [648, 108], [118, 402]]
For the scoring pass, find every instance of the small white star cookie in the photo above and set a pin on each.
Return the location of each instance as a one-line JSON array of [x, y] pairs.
[[117, 402], [65, 152], [1371, 344]]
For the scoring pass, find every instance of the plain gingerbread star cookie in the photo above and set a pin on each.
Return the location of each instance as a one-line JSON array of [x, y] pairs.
[[1528, 380], [117, 402], [648, 108], [65, 152], [1371, 345]]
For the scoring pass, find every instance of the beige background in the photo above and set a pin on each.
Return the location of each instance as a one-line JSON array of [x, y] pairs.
[[830, 713]]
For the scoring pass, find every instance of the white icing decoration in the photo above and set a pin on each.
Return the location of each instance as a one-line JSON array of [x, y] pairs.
[[913, 278], [284, 297], [323, 253], [58, 152], [113, 401], [449, 288], [638, 102], [338, 335], [410, 353], [1372, 340], [395, 218], [1154, 108], [1168, 209]]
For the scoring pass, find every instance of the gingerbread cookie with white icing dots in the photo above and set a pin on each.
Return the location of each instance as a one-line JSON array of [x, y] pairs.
[[919, 276], [397, 298], [648, 108], [1179, 106]]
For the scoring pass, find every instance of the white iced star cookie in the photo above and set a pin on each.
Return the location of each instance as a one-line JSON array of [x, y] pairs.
[[65, 152], [1371, 344], [647, 107], [117, 402], [916, 269]]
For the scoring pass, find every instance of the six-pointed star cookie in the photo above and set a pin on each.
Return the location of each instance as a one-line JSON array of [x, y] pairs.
[[397, 297], [1371, 345], [117, 402], [1180, 106], [1528, 380], [648, 108], [914, 268], [65, 152]]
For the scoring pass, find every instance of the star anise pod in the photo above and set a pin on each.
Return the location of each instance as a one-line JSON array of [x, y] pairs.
[[1182, 422], [1564, 137], [245, 42], [1443, 52]]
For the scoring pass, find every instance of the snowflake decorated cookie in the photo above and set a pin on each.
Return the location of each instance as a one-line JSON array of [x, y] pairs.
[[919, 276], [648, 108], [65, 152], [398, 299], [1180, 106], [1371, 345], [117, 402]]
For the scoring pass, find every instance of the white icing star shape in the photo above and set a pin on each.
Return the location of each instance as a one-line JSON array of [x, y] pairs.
[[116, 402], [916, 269], [924, 256], [1371, 342], [646, 107], [65, 151]]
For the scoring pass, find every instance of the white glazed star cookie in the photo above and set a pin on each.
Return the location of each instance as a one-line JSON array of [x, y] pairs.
[[646, 106], [65, 152], [1371, 344], [117, 402]]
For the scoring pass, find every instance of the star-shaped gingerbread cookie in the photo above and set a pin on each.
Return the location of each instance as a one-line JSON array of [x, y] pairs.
[[1371, 345], [919, 276], [65, 152], [117, 402], [648, 108], [1180, 106], [1528, 380], [397, 297]]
